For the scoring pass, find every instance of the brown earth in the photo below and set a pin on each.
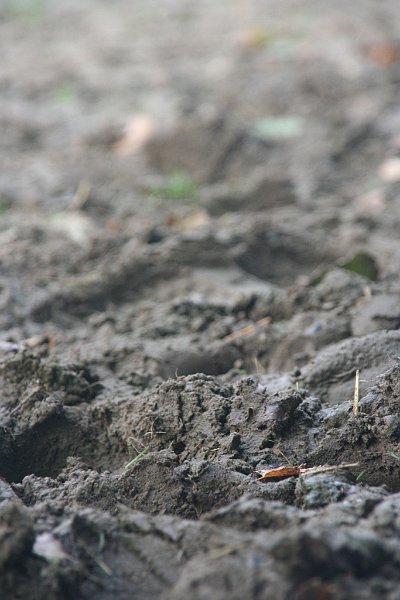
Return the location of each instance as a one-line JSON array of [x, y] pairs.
[[200, 215]]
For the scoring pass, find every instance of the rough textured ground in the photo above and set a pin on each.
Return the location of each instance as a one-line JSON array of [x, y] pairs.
[[199, 238]]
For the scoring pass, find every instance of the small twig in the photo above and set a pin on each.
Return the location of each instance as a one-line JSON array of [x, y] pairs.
[[258, 366], [356, 393], [31, 395], [279, 451], [81, 196], [225, 550], [367, 291], [327, 468], [153, 431], [249, 329], [138, 442]]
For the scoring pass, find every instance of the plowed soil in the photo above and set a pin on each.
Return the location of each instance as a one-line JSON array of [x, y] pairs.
[[199, 238]]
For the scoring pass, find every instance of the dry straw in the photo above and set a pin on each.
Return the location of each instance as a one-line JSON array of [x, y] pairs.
[[356, 393]]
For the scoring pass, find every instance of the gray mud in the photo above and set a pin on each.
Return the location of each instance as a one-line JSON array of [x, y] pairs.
[[187, 304]]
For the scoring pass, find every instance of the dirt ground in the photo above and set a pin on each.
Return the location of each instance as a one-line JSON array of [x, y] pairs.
[[199, 238]]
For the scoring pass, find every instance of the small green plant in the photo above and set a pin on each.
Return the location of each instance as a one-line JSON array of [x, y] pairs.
[[362, 264], [102, 541], [64, 93], [137, 457], [99, 562], [28, 10], [178, 186], [319, 276], [3, 206], [279, 128], [360, 476]]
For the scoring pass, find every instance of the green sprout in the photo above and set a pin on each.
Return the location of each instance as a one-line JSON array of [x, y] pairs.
[[28, 10], [178, 186], [137, 457], [64, 93], [360, 476]]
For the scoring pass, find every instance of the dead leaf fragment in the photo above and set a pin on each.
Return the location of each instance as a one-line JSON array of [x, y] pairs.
[[37, 340], [389, 171], [373, 202], [384, 53], [254, 38], [280, 472], [139, 130], [193, 219], [294, 471], [248, 330]]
